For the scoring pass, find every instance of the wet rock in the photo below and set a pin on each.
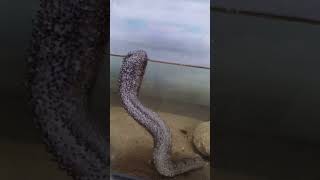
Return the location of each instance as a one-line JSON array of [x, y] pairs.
[[201, 138]]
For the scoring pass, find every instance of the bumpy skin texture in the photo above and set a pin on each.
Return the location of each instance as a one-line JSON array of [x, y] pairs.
[[131, 75], [69, 42]]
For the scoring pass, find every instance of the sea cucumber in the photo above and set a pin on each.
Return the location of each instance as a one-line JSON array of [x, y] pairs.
[[69, 43], [131, 76]]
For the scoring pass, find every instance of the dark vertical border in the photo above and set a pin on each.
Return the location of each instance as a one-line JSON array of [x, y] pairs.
[[101, 95], [107, 80]]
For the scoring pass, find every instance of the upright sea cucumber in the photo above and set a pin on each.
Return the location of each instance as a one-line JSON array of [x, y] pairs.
[[131, 75]]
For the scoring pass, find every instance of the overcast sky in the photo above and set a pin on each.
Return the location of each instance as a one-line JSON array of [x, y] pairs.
[[176, 31]]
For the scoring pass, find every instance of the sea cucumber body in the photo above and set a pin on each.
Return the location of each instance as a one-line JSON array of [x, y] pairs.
[[69, 42], [131, 75]]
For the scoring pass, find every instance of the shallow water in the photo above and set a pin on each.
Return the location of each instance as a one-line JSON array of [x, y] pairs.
[[169, 88], [180, 95]]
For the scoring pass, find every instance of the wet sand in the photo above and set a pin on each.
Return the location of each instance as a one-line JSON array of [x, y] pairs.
[[131, 145]]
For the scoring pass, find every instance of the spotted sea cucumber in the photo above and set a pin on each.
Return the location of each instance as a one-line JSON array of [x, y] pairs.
[[69, 42], [131, 76]]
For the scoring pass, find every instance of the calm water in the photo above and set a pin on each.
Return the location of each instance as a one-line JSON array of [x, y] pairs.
[[177, 89], [180, 95]]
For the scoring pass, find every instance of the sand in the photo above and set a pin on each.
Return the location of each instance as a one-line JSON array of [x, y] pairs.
[[131, 145]]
